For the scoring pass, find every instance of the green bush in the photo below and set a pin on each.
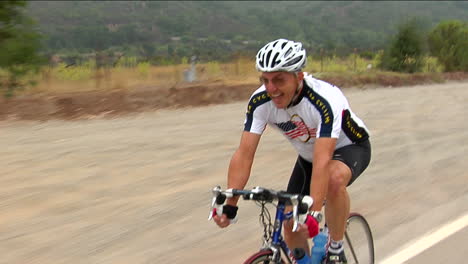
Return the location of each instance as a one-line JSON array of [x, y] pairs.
[[406, 50], [367, 55], [448, 42], [19, 47]]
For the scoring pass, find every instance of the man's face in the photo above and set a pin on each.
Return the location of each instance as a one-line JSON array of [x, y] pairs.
[[281, 86]]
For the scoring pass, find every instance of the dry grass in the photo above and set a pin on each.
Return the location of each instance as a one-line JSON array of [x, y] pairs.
[[62, 79]]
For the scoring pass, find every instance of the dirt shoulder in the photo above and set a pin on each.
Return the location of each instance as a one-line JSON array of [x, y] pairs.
[[108, 104]]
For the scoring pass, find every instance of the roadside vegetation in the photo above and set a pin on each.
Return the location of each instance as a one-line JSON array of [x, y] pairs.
[[414, 54], [350, 71]]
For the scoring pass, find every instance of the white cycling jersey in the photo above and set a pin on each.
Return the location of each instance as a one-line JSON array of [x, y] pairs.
[[321, 110]]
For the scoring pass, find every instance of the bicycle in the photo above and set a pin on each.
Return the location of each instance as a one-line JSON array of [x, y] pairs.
[[359, 246]]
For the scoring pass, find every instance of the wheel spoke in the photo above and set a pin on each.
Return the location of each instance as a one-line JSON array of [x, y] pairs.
[[351, 248]]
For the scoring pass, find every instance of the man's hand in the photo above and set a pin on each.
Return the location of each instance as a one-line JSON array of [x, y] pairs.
[[222, 221], [306, 219], [308, 229], [302, 230], [312, 226], [228, 216]]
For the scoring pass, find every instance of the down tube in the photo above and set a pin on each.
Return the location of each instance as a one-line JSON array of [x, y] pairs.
[[278, 224]]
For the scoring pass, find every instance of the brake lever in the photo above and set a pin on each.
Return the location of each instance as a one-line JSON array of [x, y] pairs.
[[216, 192], [295, 203]]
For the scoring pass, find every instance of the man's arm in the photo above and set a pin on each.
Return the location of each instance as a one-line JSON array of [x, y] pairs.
[[239, 170], [241, 163], [323, 152]]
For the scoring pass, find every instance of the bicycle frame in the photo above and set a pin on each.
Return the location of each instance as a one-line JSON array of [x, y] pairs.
[[273, 242], [273, 239], [277, 239]]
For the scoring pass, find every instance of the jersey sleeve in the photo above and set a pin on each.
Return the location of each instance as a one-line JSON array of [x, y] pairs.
[[329, 106], [336, 126], [256, 113], [329, 121]]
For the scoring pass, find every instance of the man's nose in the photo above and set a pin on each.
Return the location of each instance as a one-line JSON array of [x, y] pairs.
[[270, 87]]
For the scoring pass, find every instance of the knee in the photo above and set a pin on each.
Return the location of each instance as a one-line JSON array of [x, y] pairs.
[[336, 182]]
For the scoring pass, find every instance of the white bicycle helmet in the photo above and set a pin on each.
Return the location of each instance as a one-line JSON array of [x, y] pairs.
[[281, 55]]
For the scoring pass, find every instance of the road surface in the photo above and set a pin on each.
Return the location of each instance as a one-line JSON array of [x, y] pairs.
[[136, 189]]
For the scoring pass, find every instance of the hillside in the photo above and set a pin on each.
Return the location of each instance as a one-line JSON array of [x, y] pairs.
[[91, 25]]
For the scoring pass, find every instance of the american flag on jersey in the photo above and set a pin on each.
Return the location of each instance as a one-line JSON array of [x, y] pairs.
[[295, 129]]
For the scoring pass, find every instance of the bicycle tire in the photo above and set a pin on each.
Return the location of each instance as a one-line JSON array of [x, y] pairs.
[[359, 243], [261, 257]]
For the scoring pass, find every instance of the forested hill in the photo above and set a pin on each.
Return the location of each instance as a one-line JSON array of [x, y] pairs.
[[91, 25]]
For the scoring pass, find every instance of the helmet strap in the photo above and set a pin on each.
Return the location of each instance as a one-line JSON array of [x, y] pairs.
[[296, 94]]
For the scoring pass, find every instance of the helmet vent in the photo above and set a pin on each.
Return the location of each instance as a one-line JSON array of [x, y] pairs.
[[274, 62], [261, 63], [274, 44], [261, 60], [268, 57], [293, 61]]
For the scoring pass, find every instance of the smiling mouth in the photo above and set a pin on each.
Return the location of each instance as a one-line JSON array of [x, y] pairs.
[[276, 95]]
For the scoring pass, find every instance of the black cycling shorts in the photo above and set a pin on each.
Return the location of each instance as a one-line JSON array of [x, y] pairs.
[[355, 156]]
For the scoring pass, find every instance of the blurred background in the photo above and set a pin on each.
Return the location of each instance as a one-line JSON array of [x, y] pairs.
[[106, 155]]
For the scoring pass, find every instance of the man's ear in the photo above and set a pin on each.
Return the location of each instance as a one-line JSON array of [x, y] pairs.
[[300, 76]]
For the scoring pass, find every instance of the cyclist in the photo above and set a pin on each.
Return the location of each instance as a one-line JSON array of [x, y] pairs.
[[332, 142]]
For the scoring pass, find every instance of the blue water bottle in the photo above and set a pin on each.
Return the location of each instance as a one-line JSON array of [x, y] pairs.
[[300, 256], [320, 247]]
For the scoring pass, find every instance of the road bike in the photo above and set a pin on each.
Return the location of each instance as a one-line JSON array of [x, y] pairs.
[[359, 245]]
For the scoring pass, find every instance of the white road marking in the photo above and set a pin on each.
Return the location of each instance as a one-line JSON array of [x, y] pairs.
[[415, 247]]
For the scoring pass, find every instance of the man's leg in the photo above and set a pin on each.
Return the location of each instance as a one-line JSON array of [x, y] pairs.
[[336, 210], [347, 164], [337, 203], [298, 183]]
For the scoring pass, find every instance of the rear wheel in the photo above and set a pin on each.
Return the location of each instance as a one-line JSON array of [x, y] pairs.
[[359, 244]]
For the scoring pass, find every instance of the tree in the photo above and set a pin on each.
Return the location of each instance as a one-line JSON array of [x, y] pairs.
[[448, 42], [19, 45], [406, 50]]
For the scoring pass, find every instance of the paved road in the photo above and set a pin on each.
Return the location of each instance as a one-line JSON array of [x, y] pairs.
[[137, 189], [441, 244], [449, 250]]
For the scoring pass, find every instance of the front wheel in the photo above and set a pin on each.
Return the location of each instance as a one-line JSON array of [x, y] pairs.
[[262, 257], [359, 244]]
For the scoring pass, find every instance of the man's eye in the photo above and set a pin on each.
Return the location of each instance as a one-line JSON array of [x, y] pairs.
[[279, 81]]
